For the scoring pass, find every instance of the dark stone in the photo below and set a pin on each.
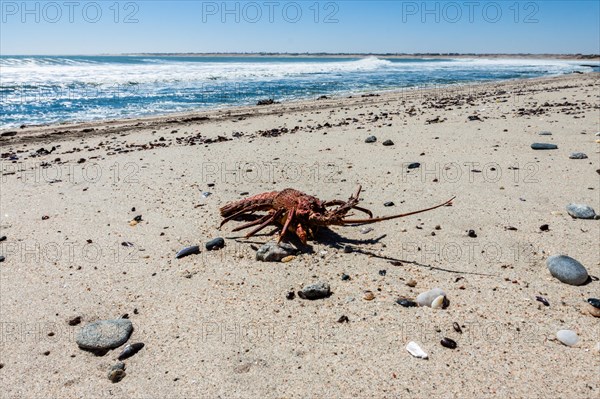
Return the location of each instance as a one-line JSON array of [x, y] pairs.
[[382, 272], [130, 350], [414, 165], [345, 277], [542, 300], [567, 269], [343, 319], [371, 139], [268, 101], [215, 243], [544, 146], [318, 290], [389, 203], [544, 227], [138, 218], [594, 302], [388, 143], [193, 250], [472, 234], [105, 334], [448, 343], [290, 295], [406, 303], [347, 249], [2, 258]]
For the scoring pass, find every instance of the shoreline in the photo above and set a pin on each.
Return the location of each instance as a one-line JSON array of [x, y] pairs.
[[35, 133]]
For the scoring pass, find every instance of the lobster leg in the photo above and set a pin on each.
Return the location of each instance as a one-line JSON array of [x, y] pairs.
[[270, 220], [290, 216], [340, 202], [251, 208], [253, 223]]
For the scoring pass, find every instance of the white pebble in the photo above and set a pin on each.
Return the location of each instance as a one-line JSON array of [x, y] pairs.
[[414, 349], [567, 337], [426, 298]]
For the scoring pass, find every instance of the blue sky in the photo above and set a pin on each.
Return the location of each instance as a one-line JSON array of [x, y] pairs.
[[97, 27]]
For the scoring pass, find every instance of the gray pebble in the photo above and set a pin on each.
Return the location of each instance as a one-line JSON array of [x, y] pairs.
[[567, 269], [371, 139], [272, 252], [388, 143], [117, 372], [578, 155], [414, 165], [215, 243], [315, 291], [545, 133], [581, 211], [544, 146], [567, 337], [426, 298], [105, 334]]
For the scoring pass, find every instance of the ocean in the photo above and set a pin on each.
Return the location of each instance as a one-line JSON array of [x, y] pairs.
[[54, 89]]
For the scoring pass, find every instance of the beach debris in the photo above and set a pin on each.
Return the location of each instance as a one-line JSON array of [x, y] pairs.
[[348, 249], [273, 252], [407, 303], [74, 321], [456, 327], [440, 302], [215, 243], [133, 223], [288, 258], [138, 218], [544, 146], [544, 227], [368, 295], [343, 319], [382, 272], [388, 143], [365, 230], [388, 204], [267, 101], [371, 139], [567, 337], [426, 298], [302, 211], [290, 295], [472, 234], [45, 217], [448, 343], [411, 283], [414, 165], [414, 349], [593, 307], [545, 133], [581, 211], [2, 258], [542, 300], [130, 350], [127, 244], [104, 334], [206, 194], [567, 269], [473, 118], [117, 372], [3, 238], [345, 277], [193, 250], [318, 290], [578, 155]]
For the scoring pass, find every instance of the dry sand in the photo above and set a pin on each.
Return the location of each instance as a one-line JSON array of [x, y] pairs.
[[218, 324]]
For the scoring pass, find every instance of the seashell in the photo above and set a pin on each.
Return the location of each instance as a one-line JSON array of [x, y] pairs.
[[438, 303], [414, 349], [288, 258], [406, 303], [368, 296], [426, 298], [130, 350], [133, 223], [193, 250], [567, 337]]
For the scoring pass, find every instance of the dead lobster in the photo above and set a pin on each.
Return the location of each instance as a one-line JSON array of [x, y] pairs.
[[301, 213]]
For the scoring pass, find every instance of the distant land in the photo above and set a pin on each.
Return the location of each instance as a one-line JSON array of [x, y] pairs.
[[386, 55]]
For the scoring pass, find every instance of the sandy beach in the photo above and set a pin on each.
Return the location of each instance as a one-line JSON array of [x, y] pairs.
[[219, 324]]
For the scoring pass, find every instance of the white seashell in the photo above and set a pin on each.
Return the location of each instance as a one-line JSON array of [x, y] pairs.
[[426, 298], [567, 337], [414, 349], [438, 302]]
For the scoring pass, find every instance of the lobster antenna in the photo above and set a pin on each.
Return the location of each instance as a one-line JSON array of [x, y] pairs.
[[379, 219]]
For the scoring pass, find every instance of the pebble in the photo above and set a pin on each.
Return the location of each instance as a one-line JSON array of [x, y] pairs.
[[581, 211], [104, 334], [193, 250], [411, 283], [343, 319], [389, 203], [290, 295], [567, 337], [414, 349], [448, 343], [345, 277], [472, 234], [2, 258], [130, 350], [544, 227], [544, 146], [273, 252], [366, 230], [347, 249], [456, 327], [368, 296], [545, 133], [138, 218], [406, 303], [414, 165], [578, 155], [382, 272], [567, 269], [594, 307], [117, 372], [215, 243], [388, 143], [206, 194], [318, 290], [371, 139], [3, 238], [288, 259], [426, 298], [542, 300]]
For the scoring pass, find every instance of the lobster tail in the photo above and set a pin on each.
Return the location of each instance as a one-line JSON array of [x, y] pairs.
[[259, 202]]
